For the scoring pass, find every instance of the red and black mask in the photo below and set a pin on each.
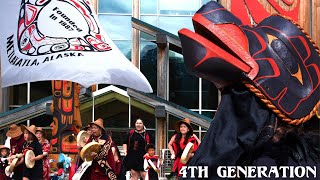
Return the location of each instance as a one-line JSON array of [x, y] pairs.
[[275, 59]]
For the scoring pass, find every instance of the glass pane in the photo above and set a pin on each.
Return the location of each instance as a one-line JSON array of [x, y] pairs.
[[147, 37], [172, 123], [208, 114], [148, 63], [203, 135], [125, 47], [209, 95], [119, 135], [148, 119], [117, 27], [86, 116], [195, 127], [179, 7], [174, 24], [19, 96], [171, 24], [115, 6], [42, 121], [153, 20], [148, 7], [206, 1], [183, 87], [40, 90], [101, 86], [170, 134], [113, 112]]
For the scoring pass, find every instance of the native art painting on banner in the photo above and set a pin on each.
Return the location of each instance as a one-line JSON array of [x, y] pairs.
[[61, 40]]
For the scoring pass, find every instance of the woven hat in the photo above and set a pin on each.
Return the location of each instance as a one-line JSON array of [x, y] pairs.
[[98, 122], [3, 147], [185, 121], [41, 130], [32, 129], [14, 131]]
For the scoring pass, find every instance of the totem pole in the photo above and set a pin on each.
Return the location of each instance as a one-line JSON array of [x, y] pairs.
[[66, 116], [252, 12]]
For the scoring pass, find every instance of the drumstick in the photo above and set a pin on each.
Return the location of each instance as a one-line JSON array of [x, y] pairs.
[[20, 155], [152, 165]]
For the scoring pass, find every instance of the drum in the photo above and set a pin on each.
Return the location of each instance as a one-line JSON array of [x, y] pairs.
[[87, 149], [188, 149], [9, 169], [28, 155], [82, 138], [81, 169]]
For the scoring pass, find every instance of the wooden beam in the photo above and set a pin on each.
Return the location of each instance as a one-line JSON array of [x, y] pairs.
[[196, 119], [174, 41], [95, 5], [135, 55], [162, 85], [162, 66], [315, 21]]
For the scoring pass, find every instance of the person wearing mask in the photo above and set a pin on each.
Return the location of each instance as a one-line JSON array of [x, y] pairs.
[[134, 150]]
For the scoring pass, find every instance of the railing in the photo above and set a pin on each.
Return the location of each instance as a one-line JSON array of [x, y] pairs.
[[167, 164]]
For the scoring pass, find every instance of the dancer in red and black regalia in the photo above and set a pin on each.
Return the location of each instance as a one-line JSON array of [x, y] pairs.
[[103, 164], [269, 78], [32, 143], [46, 150], [16, 147], [178, 143], [151, 174], [134, 149], [4, 151]]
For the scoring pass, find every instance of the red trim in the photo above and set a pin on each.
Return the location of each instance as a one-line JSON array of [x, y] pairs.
[[215, 51], [33, 10], [274, 66], [293, 14], [230, 42], [222, 9], [256, 10], [238, 8]]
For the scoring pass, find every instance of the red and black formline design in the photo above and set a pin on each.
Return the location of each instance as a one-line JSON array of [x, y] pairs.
[[275, 59], [33, 42]]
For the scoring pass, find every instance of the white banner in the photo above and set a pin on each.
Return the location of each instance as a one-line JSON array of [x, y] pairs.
[[60, 40]]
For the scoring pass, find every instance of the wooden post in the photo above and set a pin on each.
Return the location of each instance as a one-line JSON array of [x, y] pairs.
[[94, 5], [162, 86], [135, 56]]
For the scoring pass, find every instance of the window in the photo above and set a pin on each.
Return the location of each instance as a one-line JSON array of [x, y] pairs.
[[115, 6]]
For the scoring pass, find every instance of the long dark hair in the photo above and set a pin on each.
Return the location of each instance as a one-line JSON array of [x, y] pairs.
[[179, 135]]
